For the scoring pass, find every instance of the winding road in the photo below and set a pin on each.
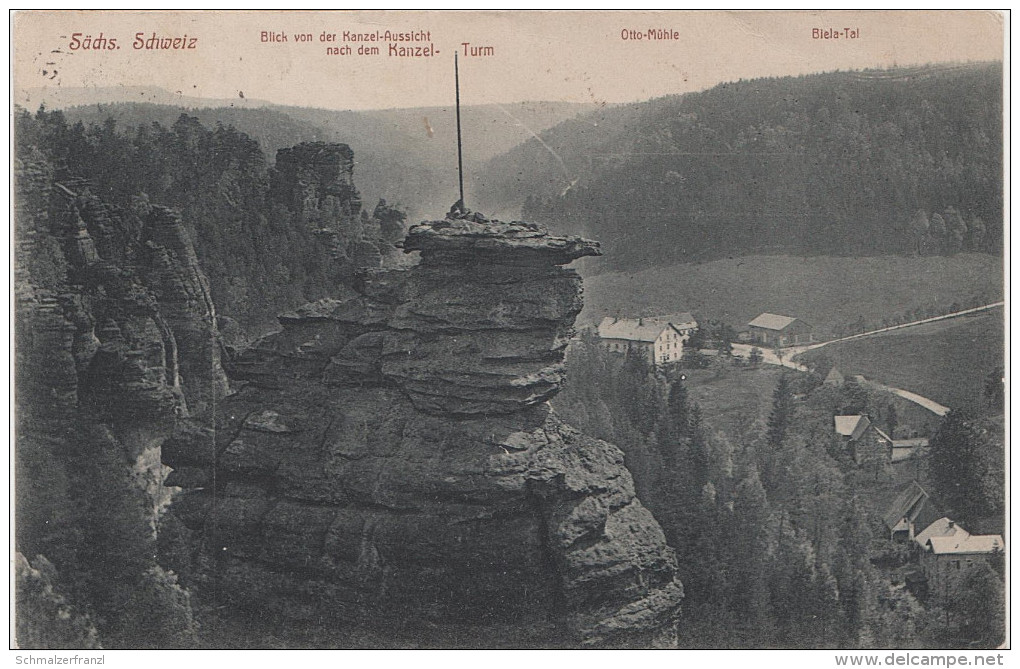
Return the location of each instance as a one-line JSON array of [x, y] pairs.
[[786, 355]]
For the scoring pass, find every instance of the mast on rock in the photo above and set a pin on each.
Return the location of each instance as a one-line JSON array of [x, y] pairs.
[[460, 156]]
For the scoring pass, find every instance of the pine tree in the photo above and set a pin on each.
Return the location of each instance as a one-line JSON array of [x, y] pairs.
[[697, 449], [994, 391], [675, 423], [778, 422], [637, 393], [980, 605], [978, 231], [959, 464], [937, 233], [891, 419], [749, 593], [956, 230]]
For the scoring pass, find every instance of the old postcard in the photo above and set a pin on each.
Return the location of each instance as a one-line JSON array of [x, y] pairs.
[[507, 330]]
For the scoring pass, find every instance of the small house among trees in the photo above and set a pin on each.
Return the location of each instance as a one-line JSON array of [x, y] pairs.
[[947, 558], [660, 338], [904, 449], [866, 441], [776, 330], [910, 513], [943, 527]]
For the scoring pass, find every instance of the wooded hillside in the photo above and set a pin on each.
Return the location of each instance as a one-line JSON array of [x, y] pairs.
[[845, 163]]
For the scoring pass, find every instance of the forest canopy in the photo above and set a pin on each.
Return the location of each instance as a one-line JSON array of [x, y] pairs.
[[845, 163]]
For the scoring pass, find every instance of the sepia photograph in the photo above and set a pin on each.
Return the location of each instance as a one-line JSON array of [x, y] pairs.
[[504, 330]]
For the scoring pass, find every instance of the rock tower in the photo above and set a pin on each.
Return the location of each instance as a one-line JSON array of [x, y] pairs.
[[391, 457]]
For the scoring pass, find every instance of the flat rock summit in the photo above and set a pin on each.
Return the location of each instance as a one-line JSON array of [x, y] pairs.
[[390, 456]]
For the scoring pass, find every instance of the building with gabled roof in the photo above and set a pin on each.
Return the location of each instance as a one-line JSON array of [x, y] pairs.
[[775, 330], [852, 427], [946, 558], [660, 338], [910, 512], [943, 527], [866, 441]]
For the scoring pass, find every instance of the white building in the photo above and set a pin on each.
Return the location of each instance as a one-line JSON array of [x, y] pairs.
[[948, 557], [660, 338]]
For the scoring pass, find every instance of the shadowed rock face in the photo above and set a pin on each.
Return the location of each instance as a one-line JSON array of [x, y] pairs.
[[316, 180], [114, 306], [392, 457], [116, 337]]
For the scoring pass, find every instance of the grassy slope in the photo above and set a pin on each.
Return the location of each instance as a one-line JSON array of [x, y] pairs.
[[824, 291], [733, 399], [946, 361]]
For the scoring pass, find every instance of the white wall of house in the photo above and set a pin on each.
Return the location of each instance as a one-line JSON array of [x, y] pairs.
[[669, 346]]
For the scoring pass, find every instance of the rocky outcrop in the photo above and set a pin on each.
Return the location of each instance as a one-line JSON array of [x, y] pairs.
[[45, 618], [390, 456], [316, 180], [145, 338], [115, 328]]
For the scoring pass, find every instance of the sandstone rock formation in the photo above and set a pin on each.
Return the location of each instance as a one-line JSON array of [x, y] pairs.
[[115, 334], [390, 456], [45, 618], [316, 181]]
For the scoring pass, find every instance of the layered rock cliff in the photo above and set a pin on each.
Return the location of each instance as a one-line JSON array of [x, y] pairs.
[[315, 180], [390, 456], [115, 339]]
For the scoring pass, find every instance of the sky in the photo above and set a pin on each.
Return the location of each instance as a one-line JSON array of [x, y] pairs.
[[564, 56]]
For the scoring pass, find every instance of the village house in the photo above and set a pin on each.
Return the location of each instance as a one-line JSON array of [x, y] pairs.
[[904, 449], [946, 558], [775, 330], [946, 549], [943, 527], [910, 513], [660, 338], [866, 441]]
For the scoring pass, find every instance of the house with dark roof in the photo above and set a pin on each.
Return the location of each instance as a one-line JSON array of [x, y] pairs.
[[775, 330], [660, 338], [946, 549], [910, 513]]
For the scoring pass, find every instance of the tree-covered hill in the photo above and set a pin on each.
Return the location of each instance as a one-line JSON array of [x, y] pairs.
[[263, 251], [408, 156], [844, 163]]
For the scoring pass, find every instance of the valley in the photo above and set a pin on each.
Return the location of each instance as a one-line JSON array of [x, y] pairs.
[[383, 433]]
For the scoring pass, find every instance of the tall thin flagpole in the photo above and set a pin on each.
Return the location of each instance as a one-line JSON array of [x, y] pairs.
[[460, 157]]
